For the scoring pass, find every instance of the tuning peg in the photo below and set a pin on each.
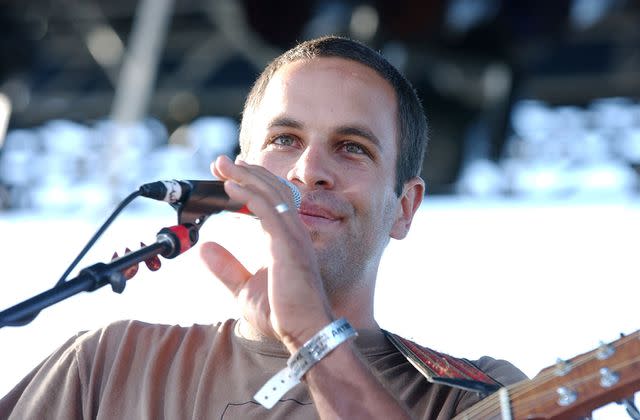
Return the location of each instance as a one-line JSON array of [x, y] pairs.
[[566, 396], [153, 263], [562, 367], [608, 378], [605, 351]]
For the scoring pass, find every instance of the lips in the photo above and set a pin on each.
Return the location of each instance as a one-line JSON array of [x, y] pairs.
[[317, 211], [322, 210]]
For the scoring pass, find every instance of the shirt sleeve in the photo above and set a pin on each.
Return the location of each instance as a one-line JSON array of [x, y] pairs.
[[53, 390]]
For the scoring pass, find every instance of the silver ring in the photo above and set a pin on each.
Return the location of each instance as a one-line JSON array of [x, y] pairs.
[[282, 207]]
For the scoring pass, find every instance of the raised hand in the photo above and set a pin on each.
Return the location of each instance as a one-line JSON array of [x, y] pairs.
[[286, 298]]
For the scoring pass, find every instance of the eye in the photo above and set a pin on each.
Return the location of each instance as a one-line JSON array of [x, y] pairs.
[[356, 148], [284, 140]]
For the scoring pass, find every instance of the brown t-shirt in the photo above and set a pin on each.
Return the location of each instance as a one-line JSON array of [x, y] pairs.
[[134, 370]]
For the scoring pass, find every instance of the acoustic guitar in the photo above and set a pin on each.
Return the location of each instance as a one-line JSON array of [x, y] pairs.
[[570, 389]]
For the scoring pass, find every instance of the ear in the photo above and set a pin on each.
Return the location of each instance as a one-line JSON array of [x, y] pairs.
[[410, 201]]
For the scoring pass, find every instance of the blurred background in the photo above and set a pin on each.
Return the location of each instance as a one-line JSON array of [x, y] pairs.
[[524, 97], [533, 168]]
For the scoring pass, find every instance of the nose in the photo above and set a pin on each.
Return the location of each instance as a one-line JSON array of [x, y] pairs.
[[312, 169]]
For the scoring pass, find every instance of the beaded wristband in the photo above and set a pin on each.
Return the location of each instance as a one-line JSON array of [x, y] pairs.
[[301, 361]]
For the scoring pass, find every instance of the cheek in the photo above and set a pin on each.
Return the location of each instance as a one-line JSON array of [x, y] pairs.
[[277, 166], [386, 211], [369, 207], [261, 159]]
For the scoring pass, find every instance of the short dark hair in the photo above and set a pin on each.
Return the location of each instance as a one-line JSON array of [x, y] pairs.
[[412, 122]]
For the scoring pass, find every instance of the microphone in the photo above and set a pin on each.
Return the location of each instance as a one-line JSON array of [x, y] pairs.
[[196, 199]]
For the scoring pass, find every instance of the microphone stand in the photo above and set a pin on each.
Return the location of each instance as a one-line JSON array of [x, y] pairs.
[[170, 242]]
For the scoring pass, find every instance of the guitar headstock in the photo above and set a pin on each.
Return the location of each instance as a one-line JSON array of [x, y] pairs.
[[570, 389], [576, 387]]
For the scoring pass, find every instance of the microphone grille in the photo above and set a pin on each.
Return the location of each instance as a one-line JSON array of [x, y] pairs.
[[295, 192]]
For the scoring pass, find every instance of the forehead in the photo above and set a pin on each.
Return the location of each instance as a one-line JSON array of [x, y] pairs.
[[328, 74], [328, 91]]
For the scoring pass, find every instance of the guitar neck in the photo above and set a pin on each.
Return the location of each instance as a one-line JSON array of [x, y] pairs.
[[488, 408]]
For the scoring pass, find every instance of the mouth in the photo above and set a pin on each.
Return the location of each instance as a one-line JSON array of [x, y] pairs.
[[314, 215]]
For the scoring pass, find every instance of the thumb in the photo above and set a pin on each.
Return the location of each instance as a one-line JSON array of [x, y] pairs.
[[222, 264]]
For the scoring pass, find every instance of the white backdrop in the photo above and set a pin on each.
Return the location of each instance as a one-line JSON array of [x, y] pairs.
[[524, 281]]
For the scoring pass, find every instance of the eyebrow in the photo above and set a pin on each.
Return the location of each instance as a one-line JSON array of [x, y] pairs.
[[345, 130], [285, 122], [359, 131]]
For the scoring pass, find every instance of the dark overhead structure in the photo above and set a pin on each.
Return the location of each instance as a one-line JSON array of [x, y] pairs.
[[469, 59]]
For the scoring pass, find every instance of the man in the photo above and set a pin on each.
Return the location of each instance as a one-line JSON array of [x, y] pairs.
[[334, 118]]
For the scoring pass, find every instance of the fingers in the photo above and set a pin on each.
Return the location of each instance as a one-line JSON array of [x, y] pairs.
[[258, 188], [214, 167], [251, 176], [244, 173], [224, 266]]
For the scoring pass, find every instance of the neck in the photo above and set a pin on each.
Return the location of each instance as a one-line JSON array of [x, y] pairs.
[[356, 305], [351, 294]]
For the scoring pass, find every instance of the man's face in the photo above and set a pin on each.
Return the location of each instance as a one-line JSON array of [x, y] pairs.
[[329, 125]]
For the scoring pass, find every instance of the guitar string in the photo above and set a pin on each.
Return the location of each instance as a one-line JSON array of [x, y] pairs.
[[586, 358], [484, 407], [533, 401], [488, 405], [579, 381], [520, 388]]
